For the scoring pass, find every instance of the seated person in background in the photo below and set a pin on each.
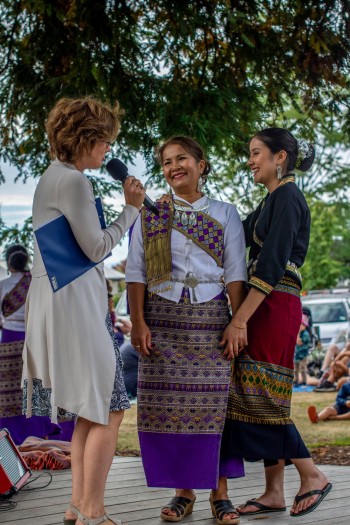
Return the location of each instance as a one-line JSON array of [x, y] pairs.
[[338, 368], [340, 409], [337, 344], [130, 359], [301, 352]]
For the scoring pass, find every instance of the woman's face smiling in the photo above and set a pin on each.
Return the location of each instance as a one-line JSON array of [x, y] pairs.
[[263, 163], [182, 171]]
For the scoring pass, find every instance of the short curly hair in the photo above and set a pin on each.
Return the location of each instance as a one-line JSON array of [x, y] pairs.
[[75, 125]]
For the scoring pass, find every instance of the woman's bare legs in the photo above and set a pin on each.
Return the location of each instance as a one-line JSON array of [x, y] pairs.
[[273, 495], [79, 437], [93, 449]]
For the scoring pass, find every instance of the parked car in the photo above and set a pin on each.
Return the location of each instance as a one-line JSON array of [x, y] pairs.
[[330, 314]]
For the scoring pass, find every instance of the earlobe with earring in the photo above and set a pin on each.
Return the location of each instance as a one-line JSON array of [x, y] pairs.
[[279, 172], [200, 184]]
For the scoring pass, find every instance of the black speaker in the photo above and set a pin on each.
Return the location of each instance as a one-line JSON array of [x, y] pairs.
[[14, 471]]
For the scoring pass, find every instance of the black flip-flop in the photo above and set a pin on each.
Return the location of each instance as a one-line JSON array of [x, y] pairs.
[[262, 509], [322, 494]]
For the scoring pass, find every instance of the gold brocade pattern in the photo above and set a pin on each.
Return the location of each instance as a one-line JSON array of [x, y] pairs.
[[261, 285], [260, 392], [285, 180], [183, 385], [288, 285]]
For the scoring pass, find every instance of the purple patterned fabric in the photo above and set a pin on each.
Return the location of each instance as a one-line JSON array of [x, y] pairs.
[[12, 419], [182, 395]]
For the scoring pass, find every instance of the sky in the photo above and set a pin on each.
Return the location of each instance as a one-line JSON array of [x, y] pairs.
[[16, 200]]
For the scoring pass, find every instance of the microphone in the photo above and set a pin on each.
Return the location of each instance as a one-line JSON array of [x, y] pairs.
[[119, 171]]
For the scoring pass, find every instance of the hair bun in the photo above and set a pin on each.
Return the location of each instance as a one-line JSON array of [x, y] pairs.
[[306, 155]]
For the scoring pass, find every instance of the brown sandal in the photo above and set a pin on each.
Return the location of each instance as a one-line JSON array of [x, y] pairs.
[[220, 508], [180, 505]]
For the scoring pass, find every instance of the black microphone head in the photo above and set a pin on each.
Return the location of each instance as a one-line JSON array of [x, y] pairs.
[[117, 169]]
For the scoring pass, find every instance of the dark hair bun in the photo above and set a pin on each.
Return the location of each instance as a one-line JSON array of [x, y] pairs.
[[14, 248], [18, 261]]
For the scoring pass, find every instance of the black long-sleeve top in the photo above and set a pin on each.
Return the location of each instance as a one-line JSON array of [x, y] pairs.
[[277, 233]]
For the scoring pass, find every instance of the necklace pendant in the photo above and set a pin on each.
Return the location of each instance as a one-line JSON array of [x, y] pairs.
[[192, 219], [177, 216], [184, 218]]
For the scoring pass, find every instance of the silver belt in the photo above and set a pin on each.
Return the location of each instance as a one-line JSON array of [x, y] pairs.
[[190, 281]]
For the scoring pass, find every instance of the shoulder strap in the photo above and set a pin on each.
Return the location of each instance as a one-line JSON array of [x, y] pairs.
[[17, 296]]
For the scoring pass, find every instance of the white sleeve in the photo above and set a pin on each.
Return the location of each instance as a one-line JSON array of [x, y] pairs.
[[77, 203], [135, 271], [235, 266]]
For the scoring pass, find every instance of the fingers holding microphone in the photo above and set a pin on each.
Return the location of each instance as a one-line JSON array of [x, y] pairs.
[[134, 192]]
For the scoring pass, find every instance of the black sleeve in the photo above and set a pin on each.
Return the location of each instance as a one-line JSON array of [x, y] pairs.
[[284, 221]]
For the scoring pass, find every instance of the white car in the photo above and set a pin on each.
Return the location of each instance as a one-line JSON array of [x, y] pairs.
[[330, 315]]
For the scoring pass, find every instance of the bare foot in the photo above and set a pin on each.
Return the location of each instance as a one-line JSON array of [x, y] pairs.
[[268, 499], [217, 495], [307, 485]]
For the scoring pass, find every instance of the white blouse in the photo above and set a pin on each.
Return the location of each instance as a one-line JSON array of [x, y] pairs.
[[188, 258], [14, 321]]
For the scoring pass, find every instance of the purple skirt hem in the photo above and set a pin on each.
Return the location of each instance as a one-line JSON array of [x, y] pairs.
[[185, 461]]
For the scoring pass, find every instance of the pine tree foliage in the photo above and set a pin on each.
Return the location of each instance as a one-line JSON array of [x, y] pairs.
[[216, 70]]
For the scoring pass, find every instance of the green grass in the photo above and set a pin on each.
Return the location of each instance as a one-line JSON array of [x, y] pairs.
[[334, 433]]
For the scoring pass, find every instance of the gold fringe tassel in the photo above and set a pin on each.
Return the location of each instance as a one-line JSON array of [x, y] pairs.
[[158, 252]]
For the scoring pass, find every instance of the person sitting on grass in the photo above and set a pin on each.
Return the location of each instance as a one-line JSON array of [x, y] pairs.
[[339, 368], [340, 409]]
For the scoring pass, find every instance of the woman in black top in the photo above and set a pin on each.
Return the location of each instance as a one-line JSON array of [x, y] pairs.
[[258, 423]]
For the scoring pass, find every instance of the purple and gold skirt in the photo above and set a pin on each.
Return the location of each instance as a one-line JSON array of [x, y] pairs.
[[182, 395]]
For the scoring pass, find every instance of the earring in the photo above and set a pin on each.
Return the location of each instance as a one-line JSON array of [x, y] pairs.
[[279, 172], [200, 184]]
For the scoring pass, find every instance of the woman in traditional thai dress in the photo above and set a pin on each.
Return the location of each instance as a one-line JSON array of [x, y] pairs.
[[258, 421], [72, 366], [13, 294], [180, 266]]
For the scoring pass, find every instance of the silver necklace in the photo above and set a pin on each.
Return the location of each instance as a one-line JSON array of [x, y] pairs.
[[181, 213]]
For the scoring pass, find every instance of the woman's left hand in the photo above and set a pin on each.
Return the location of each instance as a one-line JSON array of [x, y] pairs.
[[164, 198], [234, 339]]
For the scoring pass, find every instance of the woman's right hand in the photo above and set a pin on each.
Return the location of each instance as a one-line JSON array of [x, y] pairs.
[[141, 337], [134, 192]]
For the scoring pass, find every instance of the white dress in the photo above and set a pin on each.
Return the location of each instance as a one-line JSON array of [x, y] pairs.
[[68, 347]]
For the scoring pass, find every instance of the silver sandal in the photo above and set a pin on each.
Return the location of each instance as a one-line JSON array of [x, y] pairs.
[[71, 521], [97, 521]]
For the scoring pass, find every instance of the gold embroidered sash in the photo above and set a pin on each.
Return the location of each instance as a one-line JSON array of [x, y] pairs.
[[207, 233]]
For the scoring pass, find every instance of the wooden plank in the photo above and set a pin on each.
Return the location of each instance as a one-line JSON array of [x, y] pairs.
[[128, 498]]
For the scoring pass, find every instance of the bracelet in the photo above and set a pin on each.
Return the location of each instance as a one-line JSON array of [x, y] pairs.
[[240, 327]]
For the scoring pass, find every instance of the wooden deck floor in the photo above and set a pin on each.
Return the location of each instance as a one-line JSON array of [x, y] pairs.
[[129, 499]]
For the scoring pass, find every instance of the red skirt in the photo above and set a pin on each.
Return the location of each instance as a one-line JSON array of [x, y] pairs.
[[258, 423]]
